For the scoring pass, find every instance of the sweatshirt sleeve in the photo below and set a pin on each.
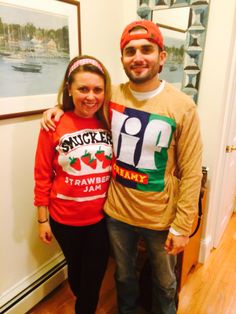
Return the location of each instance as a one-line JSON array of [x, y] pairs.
[[43, 168], [189, 164]]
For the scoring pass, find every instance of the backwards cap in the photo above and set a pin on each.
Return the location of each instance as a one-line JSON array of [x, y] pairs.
[[153, 33]]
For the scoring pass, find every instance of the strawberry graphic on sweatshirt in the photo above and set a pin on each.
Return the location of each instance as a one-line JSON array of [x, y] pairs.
[[93, 163], [88, 160], [100, 154], [106, 161], [75, 163], [86, 157]]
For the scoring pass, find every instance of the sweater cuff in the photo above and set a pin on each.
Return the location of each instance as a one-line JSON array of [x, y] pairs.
[[174, 232]]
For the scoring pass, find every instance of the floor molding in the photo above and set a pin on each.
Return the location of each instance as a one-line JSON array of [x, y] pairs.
[[35, 292], [205, 249]]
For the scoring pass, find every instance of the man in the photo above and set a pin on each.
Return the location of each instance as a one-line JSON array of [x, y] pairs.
[[156, 172]]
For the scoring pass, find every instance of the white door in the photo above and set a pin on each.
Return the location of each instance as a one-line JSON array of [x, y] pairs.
[[227, 186]]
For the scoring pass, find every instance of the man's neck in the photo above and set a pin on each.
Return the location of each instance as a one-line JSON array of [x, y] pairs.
[[146, 86]]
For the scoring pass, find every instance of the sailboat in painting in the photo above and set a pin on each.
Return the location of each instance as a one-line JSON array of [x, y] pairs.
[[28, 67]]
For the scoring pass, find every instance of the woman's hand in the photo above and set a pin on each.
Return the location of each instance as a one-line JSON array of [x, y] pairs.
[[46, 121], [45, 232]]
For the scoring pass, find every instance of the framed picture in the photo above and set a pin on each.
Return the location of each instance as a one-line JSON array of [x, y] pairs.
[[37, 40], [173, 69], [174, 25], [183, 24]]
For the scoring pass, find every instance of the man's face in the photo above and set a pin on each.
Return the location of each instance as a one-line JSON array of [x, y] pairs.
[[142, 60]]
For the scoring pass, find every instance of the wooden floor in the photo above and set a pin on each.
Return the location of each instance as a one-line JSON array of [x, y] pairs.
[[210, 288]]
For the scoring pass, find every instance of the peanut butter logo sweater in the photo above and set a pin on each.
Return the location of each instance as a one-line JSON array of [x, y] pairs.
[[157, 160]]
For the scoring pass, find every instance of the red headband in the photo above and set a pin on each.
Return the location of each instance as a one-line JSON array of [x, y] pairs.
[[85, 61]]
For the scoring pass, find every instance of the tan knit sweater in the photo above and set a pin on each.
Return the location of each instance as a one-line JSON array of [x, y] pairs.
[[157, 163]]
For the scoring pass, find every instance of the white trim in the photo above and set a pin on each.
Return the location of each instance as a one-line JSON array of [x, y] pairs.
[[81, 199], [228, 105], [29, 280], [213, 109], [39, 293], [205, 249]]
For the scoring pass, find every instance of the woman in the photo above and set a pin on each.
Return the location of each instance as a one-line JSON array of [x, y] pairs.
[[72, 173]]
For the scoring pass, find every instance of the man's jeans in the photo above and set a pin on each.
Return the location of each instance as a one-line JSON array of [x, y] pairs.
[[124, 239]]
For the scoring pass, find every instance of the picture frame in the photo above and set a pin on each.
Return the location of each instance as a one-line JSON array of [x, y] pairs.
[[173, 70], [37, 41], [174, 25], [186, 19]]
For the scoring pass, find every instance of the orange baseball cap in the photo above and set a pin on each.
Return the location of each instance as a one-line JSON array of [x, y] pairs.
[[153, 33]]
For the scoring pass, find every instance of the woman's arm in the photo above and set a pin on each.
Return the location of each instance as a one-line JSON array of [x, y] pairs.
[[44, 175], [44, 229]]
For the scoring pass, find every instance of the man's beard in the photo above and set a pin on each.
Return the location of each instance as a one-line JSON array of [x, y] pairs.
[[140, 80]]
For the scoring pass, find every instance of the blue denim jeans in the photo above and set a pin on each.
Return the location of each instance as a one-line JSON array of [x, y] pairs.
[[124, 239]]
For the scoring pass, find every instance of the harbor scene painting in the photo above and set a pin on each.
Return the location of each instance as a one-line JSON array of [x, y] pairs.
[[173, 68], [34, 51], [174, 24]]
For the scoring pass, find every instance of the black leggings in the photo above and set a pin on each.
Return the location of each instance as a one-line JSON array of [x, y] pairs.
[[86, 250]]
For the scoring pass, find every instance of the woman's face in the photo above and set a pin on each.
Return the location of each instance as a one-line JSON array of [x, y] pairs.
[[88, 92]]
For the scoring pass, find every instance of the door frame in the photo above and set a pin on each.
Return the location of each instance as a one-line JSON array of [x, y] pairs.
[[228, 119]]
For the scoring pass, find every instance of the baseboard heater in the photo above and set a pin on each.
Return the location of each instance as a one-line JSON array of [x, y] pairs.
[[30, 296]]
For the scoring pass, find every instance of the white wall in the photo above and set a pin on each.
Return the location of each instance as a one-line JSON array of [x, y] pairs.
[[22, 254], [102, 23]]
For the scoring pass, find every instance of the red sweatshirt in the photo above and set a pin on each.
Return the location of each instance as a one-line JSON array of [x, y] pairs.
[[72, 170]]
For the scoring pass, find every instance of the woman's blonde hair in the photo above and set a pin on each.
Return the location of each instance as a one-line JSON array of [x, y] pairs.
[[90, 64]]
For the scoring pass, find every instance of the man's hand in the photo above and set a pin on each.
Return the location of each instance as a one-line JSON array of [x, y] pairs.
[[46, 122], [175, 244]]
